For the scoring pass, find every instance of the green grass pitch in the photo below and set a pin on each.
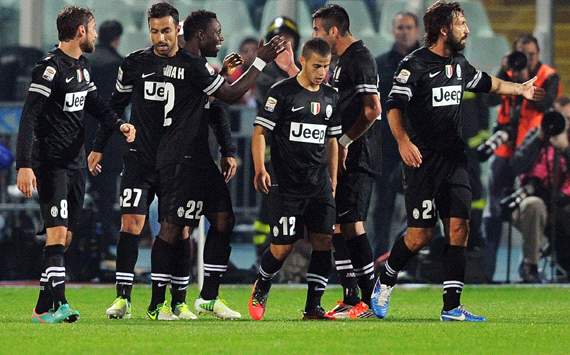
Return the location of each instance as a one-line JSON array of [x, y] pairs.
[[521, 321]]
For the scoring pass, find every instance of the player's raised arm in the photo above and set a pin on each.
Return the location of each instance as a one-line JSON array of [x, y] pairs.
[[502, 87]]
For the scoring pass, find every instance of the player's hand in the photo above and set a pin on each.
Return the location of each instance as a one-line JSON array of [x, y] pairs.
[[286, 59], [94, 163], [26, 181], [129, 131], [231, 61], [528, 89], [229, 168], [410, 154], [262, 181], [268, 51], [539, 94], [342, 154]]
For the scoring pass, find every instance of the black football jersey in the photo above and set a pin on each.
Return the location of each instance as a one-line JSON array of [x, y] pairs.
[[189, 80], [355, 75], [140, 82], [300, 121], [52, 123], [429, 89]]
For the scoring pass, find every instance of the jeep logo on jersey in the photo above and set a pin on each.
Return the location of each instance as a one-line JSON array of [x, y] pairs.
[[307, 133], [315, 108], [154, 91], [74, 101], [446, 96]]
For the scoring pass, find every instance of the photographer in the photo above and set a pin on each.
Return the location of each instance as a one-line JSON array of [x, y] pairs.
[[517, 116], [546, 181]]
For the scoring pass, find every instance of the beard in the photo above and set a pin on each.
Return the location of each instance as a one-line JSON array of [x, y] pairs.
[[86, 46], [455, 44]]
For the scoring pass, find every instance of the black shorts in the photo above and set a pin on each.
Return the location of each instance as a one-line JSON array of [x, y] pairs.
[[139, 185], [190, 190], [289, 214], [439, 186], [61, 192], [353, 193]]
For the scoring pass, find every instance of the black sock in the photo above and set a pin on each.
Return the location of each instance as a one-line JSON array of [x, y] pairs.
[[55, 273], [181, 272], [162, 255], [216, 256], [454, 266], [127, 255], [45, 301], [268, 268], [363, 262], [345, 270], [317, 277], [399, 256]]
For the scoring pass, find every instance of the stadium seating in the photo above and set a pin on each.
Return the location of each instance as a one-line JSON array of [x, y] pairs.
[[378, 44], [477, 18], [389, 8], [485, 53], [361, 23], [303, 17]]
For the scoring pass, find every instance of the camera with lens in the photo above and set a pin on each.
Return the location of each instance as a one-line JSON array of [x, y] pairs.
[[513, 201], [517, 62]]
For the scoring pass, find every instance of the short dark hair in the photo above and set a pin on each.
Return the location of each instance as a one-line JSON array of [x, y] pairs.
[[527, 38], [315, 45], [406, 14], [109, 31], [334, 15], [248, 40], [439, 15], [197, 21], [162, 9], [69, 19]]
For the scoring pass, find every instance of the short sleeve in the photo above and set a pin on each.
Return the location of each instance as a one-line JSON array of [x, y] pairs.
[[403, 85], [125, 77], [476, 80], [268, 114], [43, 76], [365, 76], [334, 128], [205, 77]]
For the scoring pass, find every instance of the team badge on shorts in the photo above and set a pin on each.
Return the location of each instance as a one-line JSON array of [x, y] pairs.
[[448, 71], [180, 212], [315, 108], [416, 213], [53, 211]]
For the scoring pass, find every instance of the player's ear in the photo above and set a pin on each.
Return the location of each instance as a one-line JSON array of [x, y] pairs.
[[81, 30], [302, 61]]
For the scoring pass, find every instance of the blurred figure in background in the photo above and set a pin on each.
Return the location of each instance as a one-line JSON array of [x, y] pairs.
[[406, 33], [518, 116], [248, 52], [105, 62]]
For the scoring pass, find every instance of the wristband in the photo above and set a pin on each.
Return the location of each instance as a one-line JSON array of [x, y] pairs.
[[259, 64], [345, 141]]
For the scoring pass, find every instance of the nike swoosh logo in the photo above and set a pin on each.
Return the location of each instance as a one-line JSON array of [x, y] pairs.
[[160, 284], [431, 75], [67, 80], [295, 109], [343, 213], [461, 317], [147, 75], [54, 284]]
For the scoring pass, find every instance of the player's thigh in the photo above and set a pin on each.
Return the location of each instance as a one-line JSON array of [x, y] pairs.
[[353, 193], [181, 195], [285, 218], [53, 189], [139, 184], [218, 197], [419, 193], [75, 197], [320, 215], [454, 197]]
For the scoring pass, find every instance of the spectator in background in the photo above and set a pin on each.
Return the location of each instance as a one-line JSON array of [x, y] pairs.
[[105, 62], [534, 161], [248, 52], [406, 33], [519, 116]]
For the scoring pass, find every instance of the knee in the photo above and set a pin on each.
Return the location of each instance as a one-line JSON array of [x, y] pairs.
[[321, 242], [223, 225], [459, 233], [170, 233], [68, 239], [417, 238], [132, 224], [533, 207], [280, 252]]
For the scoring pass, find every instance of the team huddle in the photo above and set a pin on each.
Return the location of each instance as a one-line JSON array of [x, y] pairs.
[[325, 152]]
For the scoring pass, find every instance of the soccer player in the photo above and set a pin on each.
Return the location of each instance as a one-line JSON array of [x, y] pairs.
[[301, 115], [50, 151], [142, 83], [191, 185], [424, 117], [356, 80]]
